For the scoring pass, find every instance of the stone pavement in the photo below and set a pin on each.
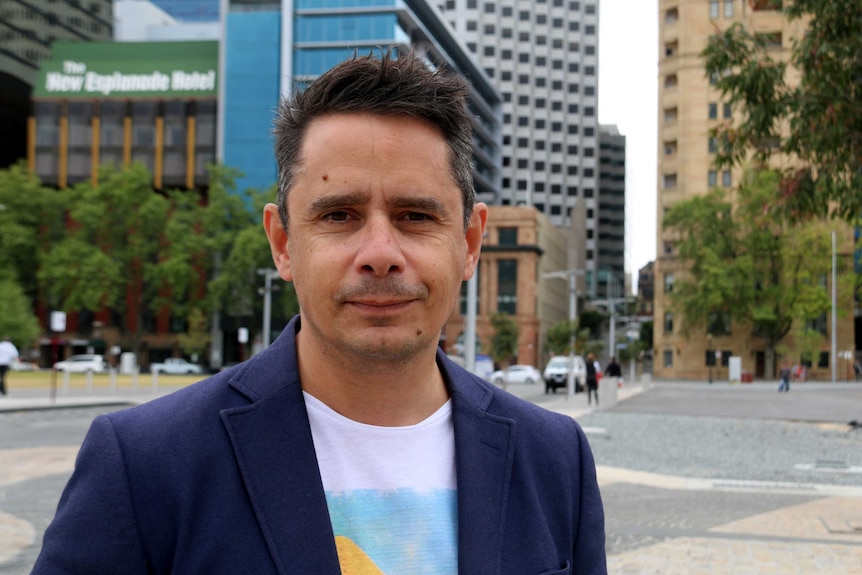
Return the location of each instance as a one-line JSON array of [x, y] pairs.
[[819, 533]]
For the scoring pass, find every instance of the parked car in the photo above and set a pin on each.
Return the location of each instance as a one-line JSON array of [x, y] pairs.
[[19, 364], [556, 373], [516, 374], [83, 363], [176, 366]]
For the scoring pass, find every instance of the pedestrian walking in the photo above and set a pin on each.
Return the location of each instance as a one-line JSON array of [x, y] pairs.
[[352, 444], [8, 354], [613, 368], [593, 371], [784, 378]]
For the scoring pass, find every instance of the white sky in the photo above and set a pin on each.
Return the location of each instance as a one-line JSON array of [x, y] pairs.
[[628, 97]]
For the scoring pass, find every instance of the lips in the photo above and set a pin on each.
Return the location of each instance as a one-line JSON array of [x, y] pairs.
[[389, 293]]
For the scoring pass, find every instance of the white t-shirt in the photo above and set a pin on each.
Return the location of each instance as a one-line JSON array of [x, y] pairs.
[[391, 492], [8, 352]]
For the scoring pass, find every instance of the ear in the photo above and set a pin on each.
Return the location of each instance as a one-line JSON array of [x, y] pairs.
[[277, 241], [475, 234]]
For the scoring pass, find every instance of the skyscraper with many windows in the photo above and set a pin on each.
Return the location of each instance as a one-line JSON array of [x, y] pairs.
[[27, 30], [543, 56]]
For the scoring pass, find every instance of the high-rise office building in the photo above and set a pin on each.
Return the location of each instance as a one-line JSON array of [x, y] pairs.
[[27, 30], [543, 56], [689, 106], [610, 228]]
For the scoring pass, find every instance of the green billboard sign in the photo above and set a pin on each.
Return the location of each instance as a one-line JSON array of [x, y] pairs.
[[129, 70]]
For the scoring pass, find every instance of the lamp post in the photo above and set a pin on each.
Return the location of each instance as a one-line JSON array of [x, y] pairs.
[[268, 274], [710, 360], [571, 275]]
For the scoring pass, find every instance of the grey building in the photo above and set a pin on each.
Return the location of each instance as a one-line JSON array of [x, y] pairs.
[[27, 29], [543, 56], [610, 228]]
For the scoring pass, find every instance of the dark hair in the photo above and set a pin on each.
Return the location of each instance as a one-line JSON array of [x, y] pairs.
[[387, 86]]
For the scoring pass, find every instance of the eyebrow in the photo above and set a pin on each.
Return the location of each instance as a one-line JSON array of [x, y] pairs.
[[335, 201]]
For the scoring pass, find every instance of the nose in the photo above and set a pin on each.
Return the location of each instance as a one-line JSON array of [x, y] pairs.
[[380, 248]]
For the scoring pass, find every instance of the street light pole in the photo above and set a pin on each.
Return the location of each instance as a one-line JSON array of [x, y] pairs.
[[267, 303], [834, 309]]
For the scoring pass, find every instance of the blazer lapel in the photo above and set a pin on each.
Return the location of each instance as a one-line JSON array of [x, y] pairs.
[[484, 451], [275, 452]]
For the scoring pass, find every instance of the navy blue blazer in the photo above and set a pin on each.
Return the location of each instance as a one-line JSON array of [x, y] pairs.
[[221, 478]]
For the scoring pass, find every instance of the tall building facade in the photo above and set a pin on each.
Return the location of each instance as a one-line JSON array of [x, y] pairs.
[[689, 106], [610, 228], [543, 56], [27, 30], [273, 48]]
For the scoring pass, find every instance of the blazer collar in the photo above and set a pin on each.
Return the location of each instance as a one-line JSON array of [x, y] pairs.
[[272, 441]]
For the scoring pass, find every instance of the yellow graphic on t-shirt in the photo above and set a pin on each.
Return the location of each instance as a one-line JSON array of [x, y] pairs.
[[353, 559]]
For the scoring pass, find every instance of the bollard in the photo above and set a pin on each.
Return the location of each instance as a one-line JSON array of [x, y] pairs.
[[89, 376]]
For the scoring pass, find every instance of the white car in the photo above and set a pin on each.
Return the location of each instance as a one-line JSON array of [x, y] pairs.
[[83, 363], [516, 374], [557, 373], [20, 365], [176, 366]]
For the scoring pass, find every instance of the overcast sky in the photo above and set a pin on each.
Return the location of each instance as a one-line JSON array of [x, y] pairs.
[[628, 97]]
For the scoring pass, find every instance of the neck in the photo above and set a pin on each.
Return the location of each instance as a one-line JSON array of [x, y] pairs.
[[390, 394]]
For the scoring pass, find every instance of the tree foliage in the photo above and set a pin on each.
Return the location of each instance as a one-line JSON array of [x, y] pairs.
[[815, 122], [31, 218], [559, 338], [17, 319], [746, 261], [504, 342]]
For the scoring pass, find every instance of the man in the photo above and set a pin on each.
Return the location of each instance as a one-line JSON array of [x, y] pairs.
[[613, 368], [8, 354], [352, 444]]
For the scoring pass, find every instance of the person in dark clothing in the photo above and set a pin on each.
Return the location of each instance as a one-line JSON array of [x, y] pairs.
[[592, 379], [613, 368]]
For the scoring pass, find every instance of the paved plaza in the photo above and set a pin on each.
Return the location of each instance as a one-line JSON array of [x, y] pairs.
[[696, 479]]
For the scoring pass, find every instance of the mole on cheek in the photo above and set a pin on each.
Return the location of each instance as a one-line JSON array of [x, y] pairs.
[[325, 177], [418, 332]]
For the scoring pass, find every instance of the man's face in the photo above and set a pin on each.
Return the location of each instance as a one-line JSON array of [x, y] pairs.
[[376, 247]]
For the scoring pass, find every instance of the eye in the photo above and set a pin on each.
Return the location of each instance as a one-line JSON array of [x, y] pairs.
[[337, 217], [418, 217]]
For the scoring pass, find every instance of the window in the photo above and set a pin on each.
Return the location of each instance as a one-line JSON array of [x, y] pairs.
[[669, 181], [670, 49], [771, 40], [670, 81], [668, 322], [728, 8], [668, 283], [711, 145], [508, 236], [727, 110], [711, 178], [725, 179], [823, 360], [670, 115], [718, 323], [713, 8], [712, 110], [507, 286], [670, 148], [667, 358], [671, 16]]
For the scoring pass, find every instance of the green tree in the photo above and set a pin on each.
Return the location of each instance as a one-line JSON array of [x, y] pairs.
[[17, 319], [504, 342], [815, 121], [196, 339], [128, 248], [748, 263], [240, 248], [31, 219], [559, 338]]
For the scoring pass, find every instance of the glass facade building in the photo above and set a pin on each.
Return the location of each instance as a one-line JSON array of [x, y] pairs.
[[271, 49]]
